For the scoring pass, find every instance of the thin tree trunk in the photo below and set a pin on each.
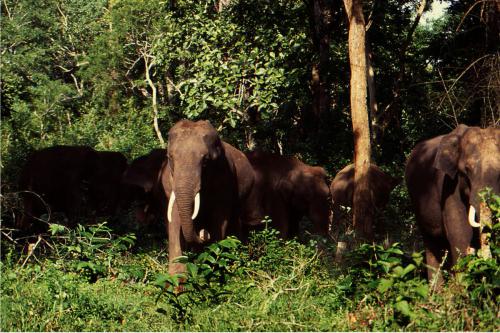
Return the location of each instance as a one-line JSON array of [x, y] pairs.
[[221, 4], [170, 87], [362, 210]]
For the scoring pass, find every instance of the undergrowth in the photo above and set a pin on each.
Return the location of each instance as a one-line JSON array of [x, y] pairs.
[[92, 279]]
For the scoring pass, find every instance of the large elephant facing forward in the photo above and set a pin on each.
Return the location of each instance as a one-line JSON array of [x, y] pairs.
[[444, 176], [290, 189], [342, 189], [208, 183]]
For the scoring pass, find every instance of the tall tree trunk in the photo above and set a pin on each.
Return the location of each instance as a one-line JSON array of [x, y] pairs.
[[362, 209]]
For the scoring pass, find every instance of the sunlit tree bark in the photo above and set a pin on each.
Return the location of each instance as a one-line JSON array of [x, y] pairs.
[[362, 210]]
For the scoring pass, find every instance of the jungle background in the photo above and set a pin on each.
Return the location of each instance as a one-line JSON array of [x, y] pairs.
[[273, 75]]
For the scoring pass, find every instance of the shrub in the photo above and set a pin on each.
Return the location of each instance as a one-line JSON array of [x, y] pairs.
[[388, 278], [205, 280], [90, 250]]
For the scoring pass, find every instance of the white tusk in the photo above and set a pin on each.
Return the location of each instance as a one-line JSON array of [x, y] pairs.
[[170, 206], [472, 217], [196, 205], [204, 235]]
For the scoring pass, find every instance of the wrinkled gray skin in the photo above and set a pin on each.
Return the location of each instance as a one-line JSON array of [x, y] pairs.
[[200, 162], [290, 189], [444, 176], [342, 189]]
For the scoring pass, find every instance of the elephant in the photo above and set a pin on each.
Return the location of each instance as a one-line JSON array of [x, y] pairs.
[[342, 189], [144, 174], [106, 192], [74, 180], [444, 175], [209, 184], [289, 189]]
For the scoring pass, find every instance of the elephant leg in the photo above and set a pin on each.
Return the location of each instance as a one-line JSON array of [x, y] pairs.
[[73, 207], [224, 228], [236, 228], [218, 222], [281, 219], [434, 254], [337, 221], [218, 228], [25, 217]]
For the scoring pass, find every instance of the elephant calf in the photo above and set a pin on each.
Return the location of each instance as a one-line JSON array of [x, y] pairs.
[[342, 189], [290, 189]]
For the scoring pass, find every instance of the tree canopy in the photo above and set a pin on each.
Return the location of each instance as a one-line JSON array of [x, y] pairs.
[[103, 72]]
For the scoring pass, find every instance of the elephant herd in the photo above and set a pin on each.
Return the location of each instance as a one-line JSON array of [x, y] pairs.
[[205, 189]]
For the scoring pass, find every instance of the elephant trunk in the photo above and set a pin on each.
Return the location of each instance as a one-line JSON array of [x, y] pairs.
[[188, 203]]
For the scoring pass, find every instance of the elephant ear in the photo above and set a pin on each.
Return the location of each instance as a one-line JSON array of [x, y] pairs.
[[448, 155], [217, 150]]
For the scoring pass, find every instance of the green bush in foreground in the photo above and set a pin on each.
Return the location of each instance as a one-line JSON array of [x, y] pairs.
[[91, 279]]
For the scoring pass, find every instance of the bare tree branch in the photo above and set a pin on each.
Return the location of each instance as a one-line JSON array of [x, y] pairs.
[[449, 98], [402, 63], [147, 67]]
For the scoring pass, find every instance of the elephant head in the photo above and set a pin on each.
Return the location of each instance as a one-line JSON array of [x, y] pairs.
[[473, 155], [194, 151]]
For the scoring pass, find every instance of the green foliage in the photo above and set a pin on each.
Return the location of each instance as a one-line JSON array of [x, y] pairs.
[[481, 276], [90, 250], [388, 276], [284, 286], [74, 72], [205, 280]]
